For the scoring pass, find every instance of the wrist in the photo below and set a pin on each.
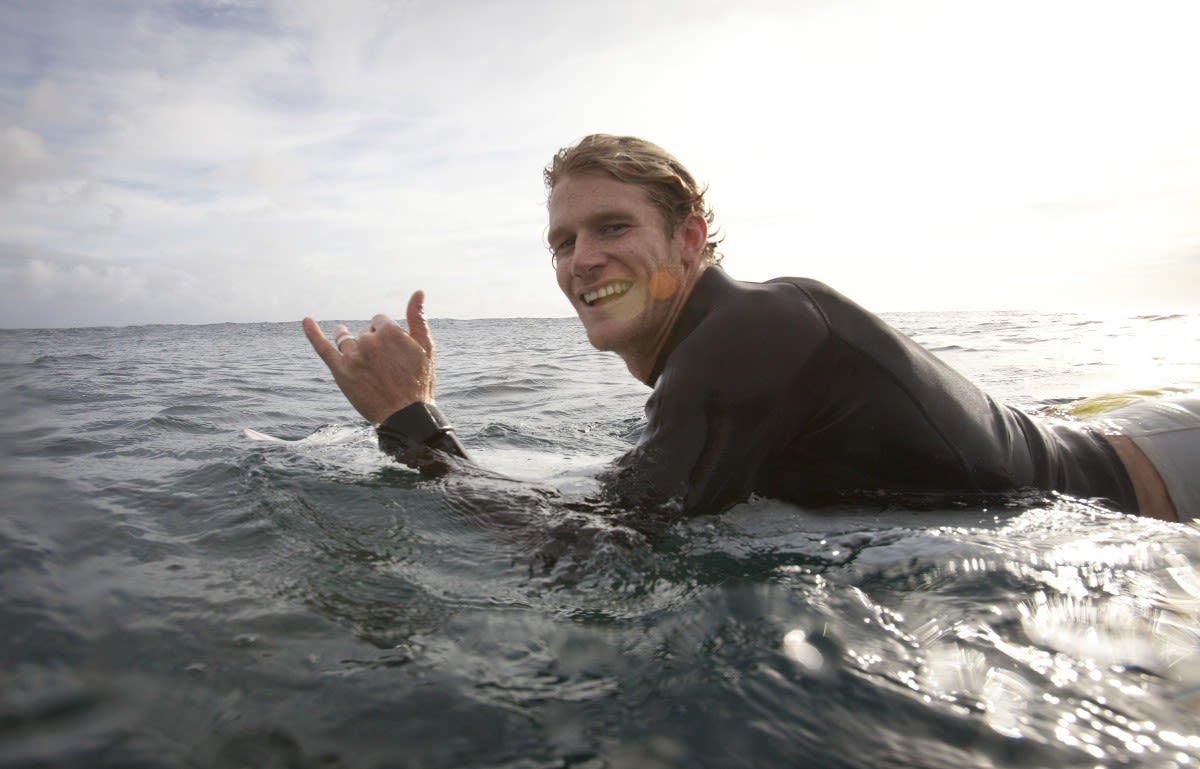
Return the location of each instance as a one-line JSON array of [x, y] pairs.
[[418, 423], [415, 433]]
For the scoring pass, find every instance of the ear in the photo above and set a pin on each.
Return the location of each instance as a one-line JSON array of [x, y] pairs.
[[695, 237]]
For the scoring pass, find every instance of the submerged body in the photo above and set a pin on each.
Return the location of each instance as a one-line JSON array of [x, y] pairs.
[[839, 405]]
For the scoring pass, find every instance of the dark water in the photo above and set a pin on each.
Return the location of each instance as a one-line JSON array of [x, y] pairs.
[[175, 594]]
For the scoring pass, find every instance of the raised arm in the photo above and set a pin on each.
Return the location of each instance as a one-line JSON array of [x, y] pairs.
[[387, 373]]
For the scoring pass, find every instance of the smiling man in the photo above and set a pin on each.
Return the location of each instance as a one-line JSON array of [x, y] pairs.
[[785, 389], [626, 264]]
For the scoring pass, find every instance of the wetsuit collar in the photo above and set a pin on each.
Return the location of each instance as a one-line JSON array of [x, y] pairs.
[[710, 287]]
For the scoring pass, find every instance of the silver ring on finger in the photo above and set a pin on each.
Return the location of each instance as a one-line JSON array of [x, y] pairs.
[[338, 342]]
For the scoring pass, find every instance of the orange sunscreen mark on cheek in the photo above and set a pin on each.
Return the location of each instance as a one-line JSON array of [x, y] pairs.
[[663, 285]]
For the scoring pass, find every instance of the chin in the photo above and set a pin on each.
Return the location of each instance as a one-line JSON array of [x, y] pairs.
[[601, 340], [606, 335]]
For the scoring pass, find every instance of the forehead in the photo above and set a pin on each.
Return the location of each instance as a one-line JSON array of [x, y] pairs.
[[591, 193]]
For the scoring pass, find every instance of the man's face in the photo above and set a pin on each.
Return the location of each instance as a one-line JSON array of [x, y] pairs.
[[624, 274]]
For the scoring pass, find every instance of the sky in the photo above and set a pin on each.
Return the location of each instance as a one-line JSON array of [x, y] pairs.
[[209, 161]]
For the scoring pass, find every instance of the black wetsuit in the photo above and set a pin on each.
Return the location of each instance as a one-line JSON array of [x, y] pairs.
[[789, 390]]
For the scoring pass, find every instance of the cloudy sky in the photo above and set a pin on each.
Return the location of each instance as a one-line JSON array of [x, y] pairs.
[[228, 160]]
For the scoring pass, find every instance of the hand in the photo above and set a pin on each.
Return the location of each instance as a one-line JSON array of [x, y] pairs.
[[385, 368]]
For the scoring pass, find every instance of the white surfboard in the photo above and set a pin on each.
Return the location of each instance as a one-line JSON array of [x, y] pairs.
[[324, 436], [255, 435]]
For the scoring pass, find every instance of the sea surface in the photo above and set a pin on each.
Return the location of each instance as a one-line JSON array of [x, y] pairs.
[[176, 594]]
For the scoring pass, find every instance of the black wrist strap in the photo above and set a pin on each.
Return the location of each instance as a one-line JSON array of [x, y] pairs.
[[414, 432]]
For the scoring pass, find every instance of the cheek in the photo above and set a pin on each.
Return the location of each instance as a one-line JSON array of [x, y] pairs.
[[562, 274], [663, 285]]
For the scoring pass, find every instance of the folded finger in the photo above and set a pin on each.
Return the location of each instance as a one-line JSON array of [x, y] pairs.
[[343, 340], [381, 321]]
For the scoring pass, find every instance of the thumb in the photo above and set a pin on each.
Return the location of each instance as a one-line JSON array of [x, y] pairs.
[[418, 326]]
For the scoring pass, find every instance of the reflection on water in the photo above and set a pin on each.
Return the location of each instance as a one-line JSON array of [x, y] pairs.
[[1101, 656]]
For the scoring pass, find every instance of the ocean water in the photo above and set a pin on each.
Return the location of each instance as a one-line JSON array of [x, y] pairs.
[[174, 594]]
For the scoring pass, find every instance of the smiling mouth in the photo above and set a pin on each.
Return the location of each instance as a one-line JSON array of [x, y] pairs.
[[615, 289]]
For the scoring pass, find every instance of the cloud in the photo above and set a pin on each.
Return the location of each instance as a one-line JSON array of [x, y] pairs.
[[289, 157], [48, 104], [44, 289], [24, 159]]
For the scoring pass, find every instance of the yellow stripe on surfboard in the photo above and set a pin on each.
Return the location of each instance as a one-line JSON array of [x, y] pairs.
[[1098, 404]]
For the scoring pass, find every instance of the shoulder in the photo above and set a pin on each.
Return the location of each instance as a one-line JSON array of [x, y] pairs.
[[742, 331], [780, 308], [718, 293], [820, 295]]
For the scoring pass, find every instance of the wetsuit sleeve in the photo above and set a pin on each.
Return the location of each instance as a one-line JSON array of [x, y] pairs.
[[695, 457], [421, 437]]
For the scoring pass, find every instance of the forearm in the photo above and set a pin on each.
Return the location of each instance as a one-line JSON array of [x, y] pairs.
[[421, 437], [550, 529]]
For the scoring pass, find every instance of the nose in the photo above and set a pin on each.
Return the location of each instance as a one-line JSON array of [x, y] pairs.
[[588, 255]]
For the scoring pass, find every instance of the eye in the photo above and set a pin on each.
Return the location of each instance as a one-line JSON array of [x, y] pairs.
[[560, 250], [616, 228]]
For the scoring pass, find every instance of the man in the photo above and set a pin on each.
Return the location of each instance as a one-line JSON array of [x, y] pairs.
[[785, 389]]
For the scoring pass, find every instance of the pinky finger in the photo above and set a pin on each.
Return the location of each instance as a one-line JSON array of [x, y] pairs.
[[320, 343]]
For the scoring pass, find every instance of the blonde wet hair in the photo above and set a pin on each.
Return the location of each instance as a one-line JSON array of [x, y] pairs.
[[667, 184]]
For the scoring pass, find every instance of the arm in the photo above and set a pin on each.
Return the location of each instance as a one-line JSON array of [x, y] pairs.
[[700, 453], [735, 392], [388, 375], [723, 406]]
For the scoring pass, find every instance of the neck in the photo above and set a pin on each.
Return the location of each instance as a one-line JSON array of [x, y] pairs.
[[641, 362]]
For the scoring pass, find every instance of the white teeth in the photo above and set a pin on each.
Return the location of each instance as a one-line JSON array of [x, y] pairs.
[[620, 287]]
